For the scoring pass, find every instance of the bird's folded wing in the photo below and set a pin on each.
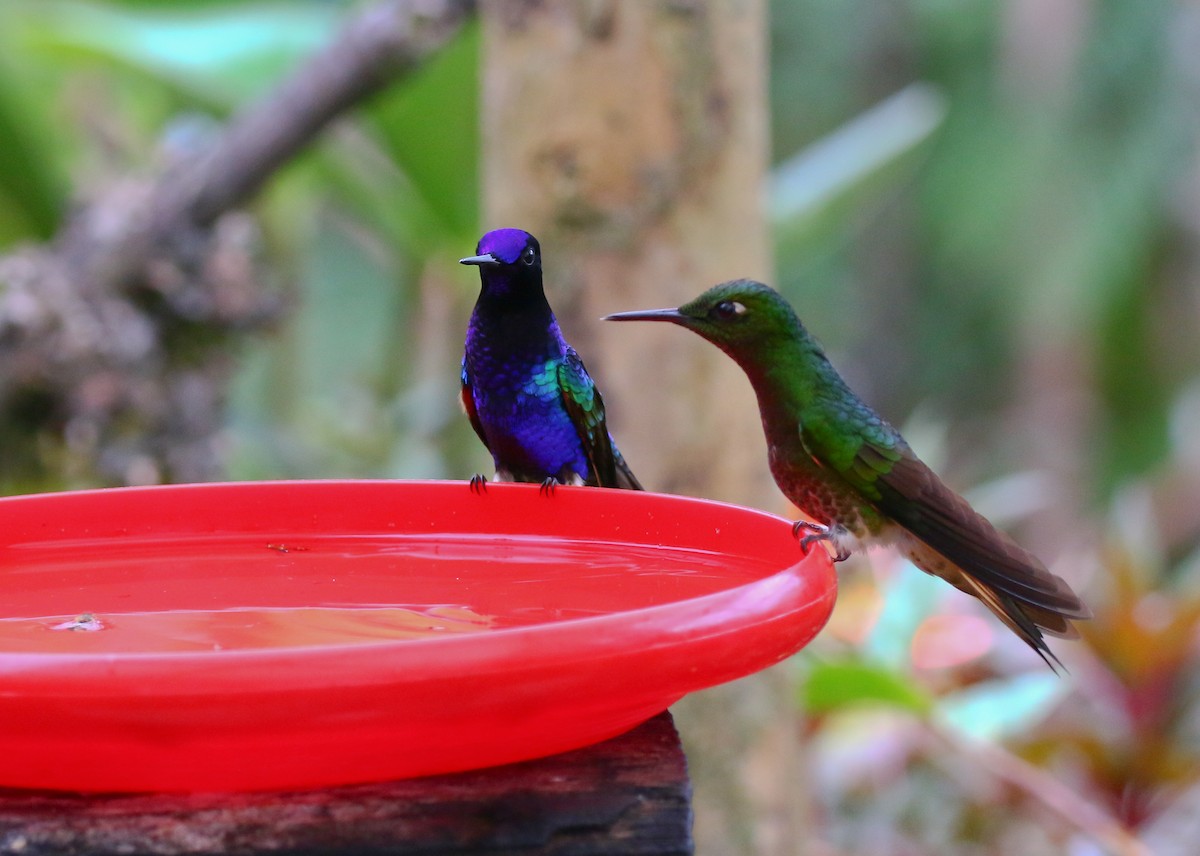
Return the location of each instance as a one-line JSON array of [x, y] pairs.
[[868, 453], [585, 407]]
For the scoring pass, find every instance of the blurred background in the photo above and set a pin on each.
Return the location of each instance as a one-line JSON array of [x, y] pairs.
[[987, 210]]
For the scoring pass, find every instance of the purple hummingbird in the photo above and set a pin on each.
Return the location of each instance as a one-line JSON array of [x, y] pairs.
[[525, 390]]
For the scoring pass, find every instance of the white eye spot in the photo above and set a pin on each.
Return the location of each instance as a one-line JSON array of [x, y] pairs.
[[529, 256], [727, 309]]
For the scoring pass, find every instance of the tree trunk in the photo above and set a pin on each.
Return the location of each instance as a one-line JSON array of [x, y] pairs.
[[631, 138]]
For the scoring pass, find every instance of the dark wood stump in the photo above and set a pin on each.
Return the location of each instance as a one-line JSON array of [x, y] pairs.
[[628, 795]]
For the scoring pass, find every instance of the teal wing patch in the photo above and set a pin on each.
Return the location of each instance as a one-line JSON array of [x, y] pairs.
[[853, 441], [585, 407], [870, 455]]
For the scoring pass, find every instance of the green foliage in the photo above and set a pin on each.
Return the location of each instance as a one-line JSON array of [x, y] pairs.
[[1041, 206], [1144, 643], [882, 676], [32, 191], [353, 223], [385, 202], [87, 88], [216, 55], [441, 160], [831, 687], [1032, 256]]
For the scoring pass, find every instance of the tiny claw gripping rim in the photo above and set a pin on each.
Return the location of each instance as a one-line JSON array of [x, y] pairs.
[[817, 532]]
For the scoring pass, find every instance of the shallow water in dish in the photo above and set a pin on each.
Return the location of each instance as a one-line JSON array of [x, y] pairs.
[[240, 593]]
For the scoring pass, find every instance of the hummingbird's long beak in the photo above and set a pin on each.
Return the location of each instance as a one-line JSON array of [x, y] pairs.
[[485, 259], [672, 315]]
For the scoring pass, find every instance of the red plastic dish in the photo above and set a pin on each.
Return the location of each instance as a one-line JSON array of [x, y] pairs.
[[302, 634]]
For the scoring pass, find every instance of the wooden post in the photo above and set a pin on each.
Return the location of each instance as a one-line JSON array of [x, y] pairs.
[[628, 795]]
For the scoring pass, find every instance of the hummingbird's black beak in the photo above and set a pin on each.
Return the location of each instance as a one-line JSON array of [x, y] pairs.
[[485, 259], [672, 315]]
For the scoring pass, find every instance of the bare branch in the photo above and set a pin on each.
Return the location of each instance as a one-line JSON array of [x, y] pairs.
[[1043, 789], [382, 43], [116, 338]]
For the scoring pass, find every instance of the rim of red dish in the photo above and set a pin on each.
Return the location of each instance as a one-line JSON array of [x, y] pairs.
[[319, 660]]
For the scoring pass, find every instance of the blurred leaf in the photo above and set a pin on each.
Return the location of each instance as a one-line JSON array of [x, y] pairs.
[[31, 192], [832, 687], [429, 125], [32, 169], [826, 176], [909, 599], [309, 406], [370, 182], [1147, 635], [1004, 708], [221, 55]]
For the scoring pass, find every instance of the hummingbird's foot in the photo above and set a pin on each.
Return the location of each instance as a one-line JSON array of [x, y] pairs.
[[817, 532], [479, 483], [548, 486]]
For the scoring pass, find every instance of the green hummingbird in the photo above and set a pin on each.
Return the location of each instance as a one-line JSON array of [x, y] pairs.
[[842, 464]]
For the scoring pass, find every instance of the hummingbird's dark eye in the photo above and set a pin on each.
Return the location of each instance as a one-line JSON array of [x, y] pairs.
[[529, 256], [728, 309]]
